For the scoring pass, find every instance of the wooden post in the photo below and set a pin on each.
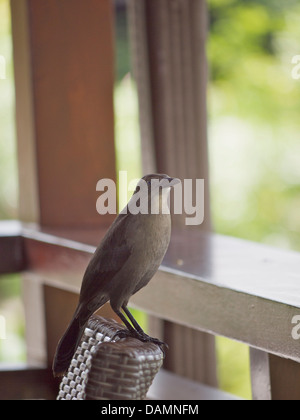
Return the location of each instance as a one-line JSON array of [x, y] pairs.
[[274, 377], [64, 76], [64, 85], [168, 44], [260, 375]]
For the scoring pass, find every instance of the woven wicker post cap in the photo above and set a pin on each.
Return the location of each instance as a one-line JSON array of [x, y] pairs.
[[109, 370]]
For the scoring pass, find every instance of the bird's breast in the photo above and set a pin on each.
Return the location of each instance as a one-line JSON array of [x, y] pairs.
[[153, 236]]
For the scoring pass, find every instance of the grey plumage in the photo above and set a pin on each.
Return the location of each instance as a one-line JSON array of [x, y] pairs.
[[124, 262]]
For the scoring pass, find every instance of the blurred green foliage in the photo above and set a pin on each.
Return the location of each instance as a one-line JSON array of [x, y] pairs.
[[254, 106], [12, 349], [8, 164], [254, 142]]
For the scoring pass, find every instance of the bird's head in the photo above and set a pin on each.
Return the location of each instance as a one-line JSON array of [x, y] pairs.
[[152, 194], [156, 183]]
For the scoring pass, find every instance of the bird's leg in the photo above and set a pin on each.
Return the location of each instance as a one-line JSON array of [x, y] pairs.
[[130, 331], [134, 331], [124, 333], [132, 320], [141, 335]]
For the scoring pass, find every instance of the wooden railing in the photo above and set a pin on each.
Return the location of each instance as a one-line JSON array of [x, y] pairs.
[[220, 285]]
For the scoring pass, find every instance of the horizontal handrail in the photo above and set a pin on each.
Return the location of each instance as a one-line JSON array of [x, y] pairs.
[[221, 285]]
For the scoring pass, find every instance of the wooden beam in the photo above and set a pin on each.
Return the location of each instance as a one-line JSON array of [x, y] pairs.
[[64, 66], [27, 383], [168, 40], [273, 377], [260, 375], [12, 256], [284, 375], [210, 282], [220, 285]]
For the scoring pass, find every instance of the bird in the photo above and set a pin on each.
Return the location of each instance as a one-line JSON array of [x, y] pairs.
[[124, 262]]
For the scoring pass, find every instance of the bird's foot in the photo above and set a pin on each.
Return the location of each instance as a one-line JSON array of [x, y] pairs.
[[140, 335], [147, 339], [123, 333]]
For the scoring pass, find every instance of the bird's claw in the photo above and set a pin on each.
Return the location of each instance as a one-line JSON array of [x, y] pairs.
[[147, 339], [124, 333]]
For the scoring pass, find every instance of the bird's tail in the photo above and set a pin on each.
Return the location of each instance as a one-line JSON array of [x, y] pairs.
[[68, 344]]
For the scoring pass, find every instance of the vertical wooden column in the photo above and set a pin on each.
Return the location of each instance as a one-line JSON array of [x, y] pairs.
[[64, 76], [273, 377], [64, 80], [260, 375], [168, 45]]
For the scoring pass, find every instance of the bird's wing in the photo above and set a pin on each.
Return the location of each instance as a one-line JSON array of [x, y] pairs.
[[108, 259]]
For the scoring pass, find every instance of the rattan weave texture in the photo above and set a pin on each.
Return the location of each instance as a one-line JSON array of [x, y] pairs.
[[109, 370]]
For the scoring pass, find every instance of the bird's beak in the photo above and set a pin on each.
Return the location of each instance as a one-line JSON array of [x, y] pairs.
[[173, 181]]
